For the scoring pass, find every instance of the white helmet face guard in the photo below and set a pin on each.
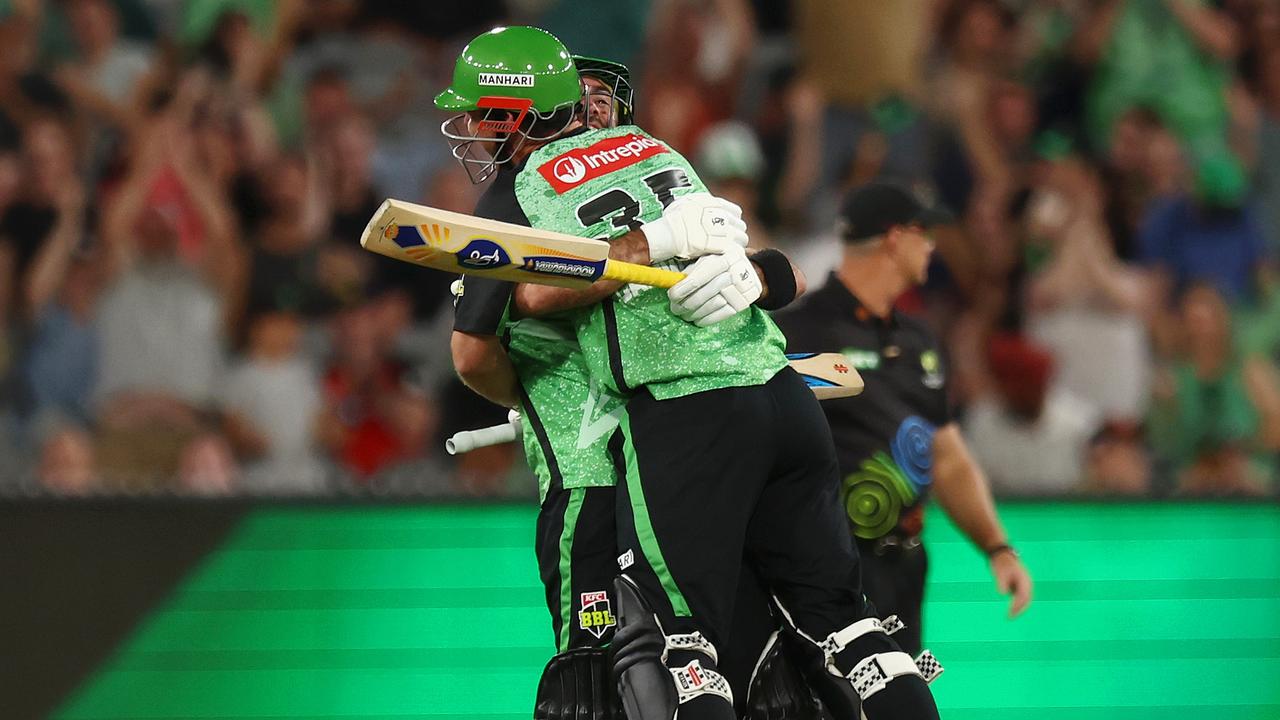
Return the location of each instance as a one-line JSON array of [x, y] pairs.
[[508, 133]]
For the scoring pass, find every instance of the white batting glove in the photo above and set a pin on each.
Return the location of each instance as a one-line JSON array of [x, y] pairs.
[[693, 226], [513, 417], [715, 287]]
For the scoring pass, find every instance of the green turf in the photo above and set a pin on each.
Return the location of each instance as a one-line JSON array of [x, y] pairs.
[[1149, 611]]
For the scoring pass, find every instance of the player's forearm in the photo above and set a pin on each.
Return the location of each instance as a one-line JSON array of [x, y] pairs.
[[962, 490], [496, 383], [482, 365], [538, 300], [632, 247]]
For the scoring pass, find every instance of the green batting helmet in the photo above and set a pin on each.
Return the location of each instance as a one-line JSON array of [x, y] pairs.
[[617, 77], [526, 63]]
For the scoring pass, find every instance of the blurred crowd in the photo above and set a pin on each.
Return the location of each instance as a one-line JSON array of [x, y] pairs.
[[185, 307]]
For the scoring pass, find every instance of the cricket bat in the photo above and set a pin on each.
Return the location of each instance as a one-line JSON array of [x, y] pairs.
[[828, 375], [459, 243]]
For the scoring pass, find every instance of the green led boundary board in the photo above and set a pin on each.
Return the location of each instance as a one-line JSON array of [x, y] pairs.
[[1143, 611]]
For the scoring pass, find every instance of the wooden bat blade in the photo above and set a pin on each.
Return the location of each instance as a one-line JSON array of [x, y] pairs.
[[459, 243], [828, 375]]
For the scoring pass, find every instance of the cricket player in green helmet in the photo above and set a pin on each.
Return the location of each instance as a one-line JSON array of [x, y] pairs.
[[568, 418], [510, 85]]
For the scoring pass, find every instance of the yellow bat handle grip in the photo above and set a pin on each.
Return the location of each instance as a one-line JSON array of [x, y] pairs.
[[642, 274]]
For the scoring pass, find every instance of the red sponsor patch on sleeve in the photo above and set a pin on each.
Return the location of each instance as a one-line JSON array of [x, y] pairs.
[[570, 169]]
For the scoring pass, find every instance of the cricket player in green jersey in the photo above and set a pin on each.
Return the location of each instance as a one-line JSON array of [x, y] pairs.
[[568, 419], [721, 451]]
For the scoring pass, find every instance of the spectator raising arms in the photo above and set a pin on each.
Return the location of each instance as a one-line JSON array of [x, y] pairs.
[[1216, 418], [1086, 307], [109, 77], [164, 316]]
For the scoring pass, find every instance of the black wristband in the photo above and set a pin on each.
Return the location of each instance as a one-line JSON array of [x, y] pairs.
[[1002, 547], [778, 276]]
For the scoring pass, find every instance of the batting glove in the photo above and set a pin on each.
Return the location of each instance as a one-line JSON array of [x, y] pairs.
[[715, 288], [693, 226]]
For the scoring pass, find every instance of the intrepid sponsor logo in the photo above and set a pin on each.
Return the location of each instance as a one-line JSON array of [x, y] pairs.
[[570, 169], [506, 79]]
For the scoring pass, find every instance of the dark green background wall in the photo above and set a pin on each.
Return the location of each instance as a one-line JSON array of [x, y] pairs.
[[1142, 611]]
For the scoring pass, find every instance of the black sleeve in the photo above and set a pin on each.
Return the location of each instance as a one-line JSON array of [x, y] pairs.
[[499, 201], [478, 310]]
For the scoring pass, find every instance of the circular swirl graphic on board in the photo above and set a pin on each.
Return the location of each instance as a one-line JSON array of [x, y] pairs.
[[875, 495], [912, 449]]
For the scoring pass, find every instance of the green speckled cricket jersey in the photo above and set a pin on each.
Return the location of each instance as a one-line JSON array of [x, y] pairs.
[[568, 418], [603, 184]]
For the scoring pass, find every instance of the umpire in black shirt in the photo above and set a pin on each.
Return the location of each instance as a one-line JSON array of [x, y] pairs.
[[897, 442]]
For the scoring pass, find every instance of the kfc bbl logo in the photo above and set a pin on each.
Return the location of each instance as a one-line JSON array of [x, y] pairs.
[[596, 615]]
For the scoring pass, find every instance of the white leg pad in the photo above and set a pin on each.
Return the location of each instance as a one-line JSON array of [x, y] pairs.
[[693, 641], [892, 624], [693, 680], [929, 666], [876, 671], [840, 639]]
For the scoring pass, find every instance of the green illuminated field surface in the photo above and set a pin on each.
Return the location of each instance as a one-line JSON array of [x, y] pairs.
[[1142, 611]]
